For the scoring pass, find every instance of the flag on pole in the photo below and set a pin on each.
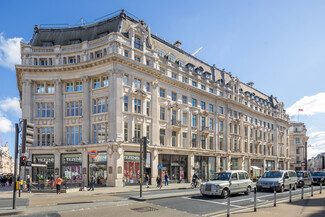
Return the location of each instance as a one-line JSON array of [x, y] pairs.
[[301, 110]]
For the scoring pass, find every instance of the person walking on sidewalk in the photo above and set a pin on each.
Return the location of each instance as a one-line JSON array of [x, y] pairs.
[[158, 180], [147, 180], [92, 183], [166, 178], [58, 183], [28, 183]]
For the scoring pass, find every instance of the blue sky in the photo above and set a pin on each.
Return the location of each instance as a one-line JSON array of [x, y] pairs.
[[279, 45]]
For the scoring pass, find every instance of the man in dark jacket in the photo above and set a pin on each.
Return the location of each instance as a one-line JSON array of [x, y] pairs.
[[92, 183]]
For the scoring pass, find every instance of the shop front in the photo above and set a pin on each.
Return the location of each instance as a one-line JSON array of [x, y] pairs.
[[43, 174], [97, 167], [175, 166], [204, 167], [234, 164], [223, 163], [71, 168], [132, 167], [270, 165]]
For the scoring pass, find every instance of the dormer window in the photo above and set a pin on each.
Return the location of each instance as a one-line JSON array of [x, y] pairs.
[[47, 44], [199, 70], [101, 35], [190, 66], [207, 75], [171, 57], [181, 63], [77, 41], [161, 53], [137, 43]]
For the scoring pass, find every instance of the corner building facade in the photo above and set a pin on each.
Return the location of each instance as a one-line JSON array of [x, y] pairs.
[[104, 86]]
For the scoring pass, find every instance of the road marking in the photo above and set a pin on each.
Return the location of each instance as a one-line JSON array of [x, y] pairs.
[[209, 201]]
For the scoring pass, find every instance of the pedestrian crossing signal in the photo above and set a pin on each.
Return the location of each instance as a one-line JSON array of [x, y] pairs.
[[23, 161]]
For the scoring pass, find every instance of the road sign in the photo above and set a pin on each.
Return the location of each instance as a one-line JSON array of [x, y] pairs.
[[302, 163], [39, 165], [160, 166]]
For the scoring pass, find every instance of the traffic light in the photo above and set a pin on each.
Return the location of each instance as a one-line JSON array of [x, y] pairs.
[[22, 161], [28, 135]]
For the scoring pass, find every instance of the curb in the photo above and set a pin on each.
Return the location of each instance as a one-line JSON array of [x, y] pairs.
[[161, 197], [12, 212]]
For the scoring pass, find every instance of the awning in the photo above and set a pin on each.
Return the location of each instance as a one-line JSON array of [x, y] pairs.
[[256, 168]]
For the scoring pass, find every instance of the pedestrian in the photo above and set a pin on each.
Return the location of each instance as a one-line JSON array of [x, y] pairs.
[[92, 183], [58, 183], [147, 180], [166, 178], [10, 180], [158, 180], [28, 183]]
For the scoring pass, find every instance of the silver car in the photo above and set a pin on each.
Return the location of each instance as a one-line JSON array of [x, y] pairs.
[[237, 181], [278, 180]]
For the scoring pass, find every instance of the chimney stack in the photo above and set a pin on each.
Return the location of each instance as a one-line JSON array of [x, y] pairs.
[[250, 84], [178, 44]]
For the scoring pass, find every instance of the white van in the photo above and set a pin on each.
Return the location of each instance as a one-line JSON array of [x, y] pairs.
[[278, 179]]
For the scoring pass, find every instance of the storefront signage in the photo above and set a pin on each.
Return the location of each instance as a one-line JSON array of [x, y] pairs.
[[131, 158], [160, 166], [93, 153], [44, 160], [71, 150]]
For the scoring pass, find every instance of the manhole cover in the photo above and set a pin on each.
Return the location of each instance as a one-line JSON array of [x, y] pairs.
[[144, 209]]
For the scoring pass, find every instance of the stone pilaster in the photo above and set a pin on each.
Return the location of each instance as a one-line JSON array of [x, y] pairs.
[[27, 104], [86, 101], [155, 114], [58, 113]]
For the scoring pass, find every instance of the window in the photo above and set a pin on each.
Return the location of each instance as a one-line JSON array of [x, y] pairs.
[[137, 133], [174, 96], [100, 105], [194, 102], [100, 133], [148, 87], [74, 135], [171, 57], [78, 86], [220, 144], [137, 106], [105, 81], [184, 120], [126, 53], [220, 125], [161, 53], [162, 113], [126, 80], [251, 148], [193, 140], [220, 93], [246, 147], [174, 76], [220, 110], [148, 132], [185, 80], [193, 120], [40, 88], [126, 103], [184, 140], [69, 87], [184, 99], [181, 63], [297, 151], [126, 132], [203, 122], [174, 138], [148, 62], [194, 83], [210, 108], [74, 109], [162, 134], [45, 136], [96, 83], [137, 43], [297, 140], [136, 58], [210, 124], [50, 88], [246, 131], [235, 114], [203, 142], [230, 113], [162, 92], [210, 90], [202, 87], [45, 110], [137, 83], [202, 105], [148, 108], [211, 142]]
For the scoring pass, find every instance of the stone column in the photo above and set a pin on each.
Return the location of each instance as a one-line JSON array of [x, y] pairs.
[[154, 165], [116, 104], [217, 163], [86, 110], [57, 162], [27, 103], [155, 114], [190, 166], [84, 157], [58, 113]]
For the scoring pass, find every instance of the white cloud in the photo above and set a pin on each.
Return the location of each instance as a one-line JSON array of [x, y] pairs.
[[9, 51], [316, 143], [11, 105], [5, 125], [310, 104]]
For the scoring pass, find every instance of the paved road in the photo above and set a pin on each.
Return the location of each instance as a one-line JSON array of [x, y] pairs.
[[162, 192], [214, 206]]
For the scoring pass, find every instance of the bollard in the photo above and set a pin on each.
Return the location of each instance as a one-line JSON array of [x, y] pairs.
[[302, 192], [320, 188], [312, 190], [255, 199], [228, 205], [274, 196], [290, 194]]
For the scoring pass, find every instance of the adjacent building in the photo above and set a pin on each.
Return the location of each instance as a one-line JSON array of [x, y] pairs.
[[102, 87], [317, 163], [6, 162], [298, 146]]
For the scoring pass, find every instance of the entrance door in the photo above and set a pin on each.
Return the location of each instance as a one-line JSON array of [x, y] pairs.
[[175, 174]]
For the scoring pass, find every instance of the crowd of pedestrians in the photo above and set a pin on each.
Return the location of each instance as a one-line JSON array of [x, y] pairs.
[[6, 180]]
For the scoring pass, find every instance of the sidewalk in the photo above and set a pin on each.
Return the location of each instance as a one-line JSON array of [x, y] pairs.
[[309, 207], [6, 206]]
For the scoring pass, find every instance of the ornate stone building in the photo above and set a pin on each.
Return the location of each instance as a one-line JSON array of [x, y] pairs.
[[298, 144], [6, 162], [104, 86]]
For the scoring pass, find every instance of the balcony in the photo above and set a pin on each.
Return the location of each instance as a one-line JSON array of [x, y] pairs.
[[176, 125], [205, 130]]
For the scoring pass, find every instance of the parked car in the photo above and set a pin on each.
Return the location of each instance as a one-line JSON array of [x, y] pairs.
[[237, 181], [318, 177], [279, 180], [304, 178]]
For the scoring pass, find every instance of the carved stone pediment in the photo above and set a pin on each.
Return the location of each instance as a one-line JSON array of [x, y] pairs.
[[174, 105], [138, 93], [204, 114]]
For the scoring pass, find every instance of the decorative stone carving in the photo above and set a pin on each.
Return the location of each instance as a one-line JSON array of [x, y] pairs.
[[85, 78], [139, 92], [57, 81], [204, 114], [155, 84], [174, 105]]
